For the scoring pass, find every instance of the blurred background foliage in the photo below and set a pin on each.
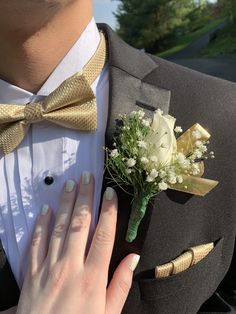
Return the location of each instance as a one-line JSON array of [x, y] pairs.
[[167, 26]]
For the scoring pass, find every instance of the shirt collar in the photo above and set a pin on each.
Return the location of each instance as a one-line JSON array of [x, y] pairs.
[[80, 53]]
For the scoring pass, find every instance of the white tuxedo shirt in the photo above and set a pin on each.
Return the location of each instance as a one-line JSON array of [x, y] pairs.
[[49, 150]]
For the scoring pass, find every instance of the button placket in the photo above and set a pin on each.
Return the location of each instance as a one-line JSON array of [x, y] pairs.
[[47, 166]]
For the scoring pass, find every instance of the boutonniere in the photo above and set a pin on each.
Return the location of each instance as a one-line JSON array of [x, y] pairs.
[[152, 156]]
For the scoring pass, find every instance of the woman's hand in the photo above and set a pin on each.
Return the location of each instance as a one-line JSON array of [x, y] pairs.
[[61, 278]]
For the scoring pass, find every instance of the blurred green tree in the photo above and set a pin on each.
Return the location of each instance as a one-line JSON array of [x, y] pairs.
[[152, 24], [229, 8]]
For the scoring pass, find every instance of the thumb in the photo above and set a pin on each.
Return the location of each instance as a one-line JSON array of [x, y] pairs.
[[120, 285]]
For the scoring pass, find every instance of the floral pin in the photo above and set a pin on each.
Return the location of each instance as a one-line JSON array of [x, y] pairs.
[[151, 156]]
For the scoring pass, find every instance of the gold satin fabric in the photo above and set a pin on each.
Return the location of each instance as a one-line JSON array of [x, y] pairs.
[[72, 105], [193, 184], [186, 141], [189, 258]]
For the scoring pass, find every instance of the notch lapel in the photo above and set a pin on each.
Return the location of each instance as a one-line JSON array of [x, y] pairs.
[[128, 92]]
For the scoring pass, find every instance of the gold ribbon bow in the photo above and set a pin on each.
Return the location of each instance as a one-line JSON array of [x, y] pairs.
[[71, 105], [193, 184]]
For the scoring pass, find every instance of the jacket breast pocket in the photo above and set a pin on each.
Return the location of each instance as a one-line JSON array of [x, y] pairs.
[[196, 284]]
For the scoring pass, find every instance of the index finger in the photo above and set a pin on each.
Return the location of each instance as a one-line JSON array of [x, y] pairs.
[[103, 241]]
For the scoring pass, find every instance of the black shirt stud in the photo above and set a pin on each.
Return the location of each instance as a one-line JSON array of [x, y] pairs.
[[48, 180]]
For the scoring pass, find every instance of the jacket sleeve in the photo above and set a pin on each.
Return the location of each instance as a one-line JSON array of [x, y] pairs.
[[9, 290]]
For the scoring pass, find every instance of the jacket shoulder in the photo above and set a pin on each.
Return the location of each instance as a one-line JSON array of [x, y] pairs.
[[192, 85]]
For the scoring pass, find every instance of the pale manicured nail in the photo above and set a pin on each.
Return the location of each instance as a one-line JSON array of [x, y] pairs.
[[86, 177], [69, 186], [134, 262], [109, 193], [44, 210]]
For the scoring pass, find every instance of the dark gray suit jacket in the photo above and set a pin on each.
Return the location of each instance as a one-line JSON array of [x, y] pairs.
[[175, 221]]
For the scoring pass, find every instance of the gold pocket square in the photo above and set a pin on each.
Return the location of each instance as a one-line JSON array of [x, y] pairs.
[[189, 258]]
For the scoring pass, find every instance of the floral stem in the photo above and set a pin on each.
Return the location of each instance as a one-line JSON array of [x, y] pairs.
[[138, 211]]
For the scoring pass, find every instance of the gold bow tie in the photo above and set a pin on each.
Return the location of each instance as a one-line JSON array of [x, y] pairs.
[[71, 105]]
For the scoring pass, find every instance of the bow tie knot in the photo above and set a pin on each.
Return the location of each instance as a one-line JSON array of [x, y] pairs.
[[71, 105], [33, 113]]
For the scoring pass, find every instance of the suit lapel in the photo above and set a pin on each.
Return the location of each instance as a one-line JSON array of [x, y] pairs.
[[128, 91]]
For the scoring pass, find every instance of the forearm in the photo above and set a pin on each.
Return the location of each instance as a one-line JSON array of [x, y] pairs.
[[12, 310]]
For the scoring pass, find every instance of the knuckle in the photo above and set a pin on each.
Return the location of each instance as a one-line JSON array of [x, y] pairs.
[[81, 221], [59, 275], [124, 286], [103, 237], [91, 280], [58, 230], [83, 202], [31, 282], [32, 272], [37, 234], [36, 237], [88, 285]]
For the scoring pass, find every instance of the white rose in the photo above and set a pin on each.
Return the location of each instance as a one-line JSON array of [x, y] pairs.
[[162, 138]]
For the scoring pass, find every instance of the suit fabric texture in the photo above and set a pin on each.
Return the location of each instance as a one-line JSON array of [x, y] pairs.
[[174, 221]]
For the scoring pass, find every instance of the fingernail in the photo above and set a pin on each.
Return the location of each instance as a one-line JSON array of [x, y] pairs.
[[44, 210], [109, 194], [69, 186], [86, 177], [134, 262]]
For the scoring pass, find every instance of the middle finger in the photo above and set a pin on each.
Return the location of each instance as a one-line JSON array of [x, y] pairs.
[[100, 251], [77, 236]]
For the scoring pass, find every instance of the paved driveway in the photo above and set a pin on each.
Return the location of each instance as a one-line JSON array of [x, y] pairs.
[[223, 67], [195, 48]]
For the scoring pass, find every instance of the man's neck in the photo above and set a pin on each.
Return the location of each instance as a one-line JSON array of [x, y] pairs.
[[27, 61]]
